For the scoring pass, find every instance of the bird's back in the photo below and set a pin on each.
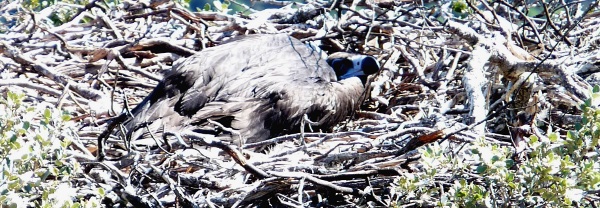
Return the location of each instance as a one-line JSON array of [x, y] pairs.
[[238, 84]]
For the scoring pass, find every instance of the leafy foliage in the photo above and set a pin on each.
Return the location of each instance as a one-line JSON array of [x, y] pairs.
[[558, 171], [460, 8], [58, 14], [219, 6], [36, 167]]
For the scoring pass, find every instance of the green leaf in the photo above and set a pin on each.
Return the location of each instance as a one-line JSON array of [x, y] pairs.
[[65, 143], [509, 163], [66, 117], [13, 186], [495, 158], [26, 125], [101, 192], [45, 175], [533, 140], [206, 7], [225, 5], [54, 171], [570, 135], [481, 169], [553, 137], [459, 6], [588, 103], [596, 89], [510, 177], [27, 187], [578, 126], [47, 115], [21, 132]]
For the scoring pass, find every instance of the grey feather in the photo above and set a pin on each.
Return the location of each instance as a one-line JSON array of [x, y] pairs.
[[259, 85]]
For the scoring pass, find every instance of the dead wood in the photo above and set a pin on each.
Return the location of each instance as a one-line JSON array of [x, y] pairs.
[[442, 82]]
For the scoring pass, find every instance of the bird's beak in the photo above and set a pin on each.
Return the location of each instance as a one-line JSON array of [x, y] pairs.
[[361, 65], [353, 72]]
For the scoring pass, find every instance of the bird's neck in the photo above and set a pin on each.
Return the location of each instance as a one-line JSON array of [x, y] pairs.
[[349, 94]]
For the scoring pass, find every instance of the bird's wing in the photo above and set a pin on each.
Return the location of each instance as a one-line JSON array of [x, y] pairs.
[[257, 119], [247, 67], [244, 119], [253, 81]]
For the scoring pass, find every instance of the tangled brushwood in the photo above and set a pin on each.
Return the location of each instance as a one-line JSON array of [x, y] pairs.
[[478, 103]]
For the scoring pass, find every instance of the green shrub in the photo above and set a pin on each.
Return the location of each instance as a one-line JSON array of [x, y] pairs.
[[557, 171], [36, 169]]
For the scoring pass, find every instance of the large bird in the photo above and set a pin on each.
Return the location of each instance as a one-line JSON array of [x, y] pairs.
[[258, 85]]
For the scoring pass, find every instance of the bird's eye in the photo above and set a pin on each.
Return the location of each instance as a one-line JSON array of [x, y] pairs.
[[336, 64], [341, 66]]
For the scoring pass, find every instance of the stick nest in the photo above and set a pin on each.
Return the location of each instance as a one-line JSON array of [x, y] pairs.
[[447, 82]]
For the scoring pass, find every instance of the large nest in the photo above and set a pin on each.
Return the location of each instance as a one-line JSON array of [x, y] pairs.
[[448, 82]]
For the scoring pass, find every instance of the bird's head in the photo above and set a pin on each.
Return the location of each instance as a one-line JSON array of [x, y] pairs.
[[347, 65]]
